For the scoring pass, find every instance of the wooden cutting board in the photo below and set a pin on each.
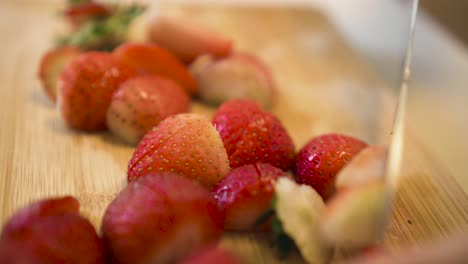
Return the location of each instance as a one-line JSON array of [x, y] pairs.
[[323, 87]]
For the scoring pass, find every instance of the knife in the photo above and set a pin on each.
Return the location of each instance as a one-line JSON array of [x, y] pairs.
[[395, 149]]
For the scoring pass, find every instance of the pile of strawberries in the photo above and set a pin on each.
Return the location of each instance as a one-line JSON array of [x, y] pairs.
[[190, 178]]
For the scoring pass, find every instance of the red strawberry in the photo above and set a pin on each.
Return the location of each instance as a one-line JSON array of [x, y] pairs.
[[187, 144], [152, 59], [246, 193], [237, 76], [52, 65], [211, 255], [141, 103], [85, 89], [16, 253], [159, 218], [52, 231], [322, 158], [187, 40], [78, 14], [251, 134], [41, 209]]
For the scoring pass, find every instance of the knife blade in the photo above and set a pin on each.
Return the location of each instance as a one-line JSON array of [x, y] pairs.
[[395, 150]]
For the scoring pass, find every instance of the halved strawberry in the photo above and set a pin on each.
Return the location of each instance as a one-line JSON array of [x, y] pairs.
[[187, 144], [246, 193], [85, 89], [141, 103], [187, 40], [367, 166], [41, 209], [211, 255], [52, 231], [251, 135], [152, 59], [322, 158], [52, 65], [298, 210], [237, 76], [353, 218], [159, 218]]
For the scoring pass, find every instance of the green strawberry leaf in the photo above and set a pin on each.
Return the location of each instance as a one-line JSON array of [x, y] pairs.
[[282, 243], [76, 2], [104, 34]]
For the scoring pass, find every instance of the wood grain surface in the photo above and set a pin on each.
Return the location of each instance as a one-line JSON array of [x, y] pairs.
[[323, 87]]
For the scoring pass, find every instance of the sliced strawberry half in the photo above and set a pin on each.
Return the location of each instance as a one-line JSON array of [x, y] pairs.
[[52, 65], [246, 193], [187, 40], [160, 218], [141, 103], [237, 76]]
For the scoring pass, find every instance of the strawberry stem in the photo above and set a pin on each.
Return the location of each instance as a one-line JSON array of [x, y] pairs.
[[282, 243], [105, 33]]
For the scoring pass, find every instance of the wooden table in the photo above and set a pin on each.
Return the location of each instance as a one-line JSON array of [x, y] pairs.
[[324, 87]]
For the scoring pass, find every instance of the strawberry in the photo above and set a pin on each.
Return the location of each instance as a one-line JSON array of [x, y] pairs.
[[85, 89], [152, 59], [17, 253], [237, 76], [187, 40], [211, 255], [298, 209], [41, 209], [322, 158], [79, 14], [367, 166], [361, 207], [251, 134], [141, 103], [187, 144], [52, 231], [246, 193], [52, 65], [159, 218]]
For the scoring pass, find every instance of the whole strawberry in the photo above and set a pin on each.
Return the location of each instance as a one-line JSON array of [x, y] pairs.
[[238, 76], [148, 58], [39, 210], [322, 158], [160, 218], [85, 89], [141, 103], [186, 144], [251, 135], [50, 231], [245, 194]]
